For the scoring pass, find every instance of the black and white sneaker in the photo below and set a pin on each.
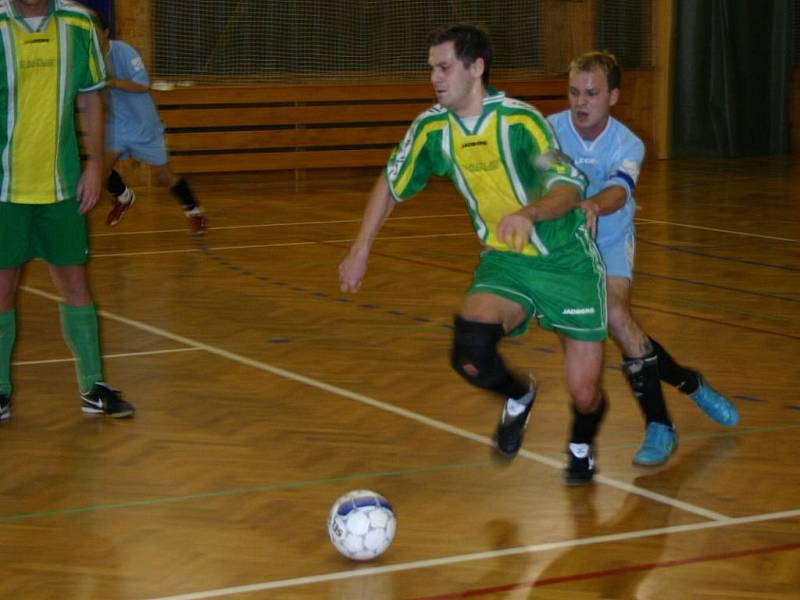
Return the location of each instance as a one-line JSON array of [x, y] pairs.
[[513, 421], [5, 407], [580, 465], [103, 400]]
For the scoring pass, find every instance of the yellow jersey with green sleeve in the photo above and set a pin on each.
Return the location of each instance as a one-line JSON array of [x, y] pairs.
[[42, 70], [508, 159]]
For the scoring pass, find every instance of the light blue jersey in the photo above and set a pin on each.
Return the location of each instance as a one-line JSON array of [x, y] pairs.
[[133, 127], [613, 158]]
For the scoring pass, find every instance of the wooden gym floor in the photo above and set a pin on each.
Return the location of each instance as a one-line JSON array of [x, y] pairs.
[[263, 394]]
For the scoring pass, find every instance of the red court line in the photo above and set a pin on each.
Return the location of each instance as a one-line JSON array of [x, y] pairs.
[[611, 572]]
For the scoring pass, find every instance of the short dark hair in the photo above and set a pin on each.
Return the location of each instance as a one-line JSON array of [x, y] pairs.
[[603, 61], [102, 21], [470, 43]]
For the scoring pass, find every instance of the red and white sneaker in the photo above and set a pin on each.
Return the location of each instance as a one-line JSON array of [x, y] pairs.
[[119, 206], [197, 220]]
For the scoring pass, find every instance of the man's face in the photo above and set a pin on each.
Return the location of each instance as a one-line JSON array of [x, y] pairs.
[[31, 8], [32, 3], [590, 102], [452, 82]]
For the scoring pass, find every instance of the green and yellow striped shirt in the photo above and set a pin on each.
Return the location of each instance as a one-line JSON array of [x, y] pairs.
[[509, 159], [43, 71]]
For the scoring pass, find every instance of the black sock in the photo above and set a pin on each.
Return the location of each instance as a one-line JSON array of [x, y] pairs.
[[513, 388], [114, 184], [686, 380], [585, 425], [183, 193], [643, 378]]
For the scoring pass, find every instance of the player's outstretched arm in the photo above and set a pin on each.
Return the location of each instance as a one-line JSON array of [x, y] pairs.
[[354, 266]]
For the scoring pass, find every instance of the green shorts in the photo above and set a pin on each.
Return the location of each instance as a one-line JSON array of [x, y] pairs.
[[566, 292], [55, 233]]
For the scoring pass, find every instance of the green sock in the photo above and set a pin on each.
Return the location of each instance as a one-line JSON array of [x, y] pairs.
[[8, 333], [79, 326]]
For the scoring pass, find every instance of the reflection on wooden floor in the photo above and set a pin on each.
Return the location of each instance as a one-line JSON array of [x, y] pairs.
[[263, 394]]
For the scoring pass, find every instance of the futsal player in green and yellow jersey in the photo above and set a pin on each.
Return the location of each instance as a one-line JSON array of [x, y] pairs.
[[51, 63], [538, 261]]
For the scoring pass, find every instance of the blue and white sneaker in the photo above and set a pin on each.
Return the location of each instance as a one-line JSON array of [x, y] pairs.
[[660, 441], [718, 408]]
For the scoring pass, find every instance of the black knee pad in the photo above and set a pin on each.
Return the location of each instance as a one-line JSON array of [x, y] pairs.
[[114, 183], [476, 344]]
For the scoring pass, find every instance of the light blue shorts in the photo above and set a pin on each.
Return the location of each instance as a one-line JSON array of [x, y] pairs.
[[151, 152], [618, 254]]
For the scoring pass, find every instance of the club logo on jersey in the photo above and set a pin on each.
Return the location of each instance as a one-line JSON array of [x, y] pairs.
[[37, 63], [477, 167]]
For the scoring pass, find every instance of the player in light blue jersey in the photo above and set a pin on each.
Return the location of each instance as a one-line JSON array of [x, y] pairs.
[[134, 129], [611, 155]]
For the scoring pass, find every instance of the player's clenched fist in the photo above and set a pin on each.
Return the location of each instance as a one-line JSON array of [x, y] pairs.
[[514, 230], [351, 272]]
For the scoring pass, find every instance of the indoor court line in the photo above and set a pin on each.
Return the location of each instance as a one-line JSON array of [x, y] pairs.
[[390, 408], [623, 570], [287, 224], [637, 220], [488, 555], [640, 221], [281, 244], [24, 363]]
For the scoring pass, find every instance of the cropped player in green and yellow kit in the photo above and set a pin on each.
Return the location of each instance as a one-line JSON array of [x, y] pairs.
[[538, 261], [51, 63]]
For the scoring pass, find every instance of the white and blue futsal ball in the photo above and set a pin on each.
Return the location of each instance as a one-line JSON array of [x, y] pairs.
[[361, 524]]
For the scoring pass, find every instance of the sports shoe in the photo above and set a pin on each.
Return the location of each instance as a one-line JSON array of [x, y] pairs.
[[119, 206], [103, 400], [660, 441], [5, 407], [718, 408], [511, 428], [198, 222], [580, 470]]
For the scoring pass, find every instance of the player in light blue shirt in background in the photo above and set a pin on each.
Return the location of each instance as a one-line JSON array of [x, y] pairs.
[[610, 155], [134, 129]]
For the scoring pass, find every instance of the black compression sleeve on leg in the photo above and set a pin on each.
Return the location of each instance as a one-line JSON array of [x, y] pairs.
[[183, 193], [674, 374], [114, 184], [643, 378]]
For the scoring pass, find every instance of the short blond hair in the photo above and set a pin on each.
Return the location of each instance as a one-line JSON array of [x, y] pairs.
[[602, 61]]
